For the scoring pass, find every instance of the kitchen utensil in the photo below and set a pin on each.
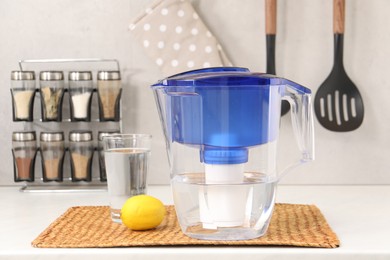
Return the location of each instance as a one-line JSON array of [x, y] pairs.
[[221, 127], [338, 104], [270, 30]]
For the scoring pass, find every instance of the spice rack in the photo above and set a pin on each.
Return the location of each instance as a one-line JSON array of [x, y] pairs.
[[67, 125]]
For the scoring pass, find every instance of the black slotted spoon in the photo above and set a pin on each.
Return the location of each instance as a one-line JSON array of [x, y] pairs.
[[338, 104], [270, 30]]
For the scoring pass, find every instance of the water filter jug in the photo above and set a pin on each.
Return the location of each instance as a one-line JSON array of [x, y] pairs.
[[221, 127]]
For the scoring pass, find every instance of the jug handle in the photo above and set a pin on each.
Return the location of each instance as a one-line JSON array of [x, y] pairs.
[[299, 98]]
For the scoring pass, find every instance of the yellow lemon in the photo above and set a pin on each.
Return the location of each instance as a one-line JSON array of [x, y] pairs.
[[142, 212]]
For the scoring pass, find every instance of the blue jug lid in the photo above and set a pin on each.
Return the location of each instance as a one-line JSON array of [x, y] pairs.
[[224, 77]]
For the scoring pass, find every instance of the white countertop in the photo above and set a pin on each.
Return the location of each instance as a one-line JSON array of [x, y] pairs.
[[359, 215]]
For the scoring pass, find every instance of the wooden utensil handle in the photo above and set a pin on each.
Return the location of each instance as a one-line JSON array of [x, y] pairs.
[[270, 16], [338, 16]]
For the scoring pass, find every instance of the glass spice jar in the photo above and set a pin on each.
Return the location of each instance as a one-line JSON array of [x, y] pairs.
[[23, 93], [102, 164], [81, 153], [109, 88], [80, 93], [52, 91], [52, 152], [24, 151]]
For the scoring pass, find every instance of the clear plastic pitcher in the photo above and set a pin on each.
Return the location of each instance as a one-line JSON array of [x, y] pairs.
[[221, 127]]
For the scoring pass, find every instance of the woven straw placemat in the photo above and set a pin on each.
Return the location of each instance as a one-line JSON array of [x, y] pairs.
[[91, 227]]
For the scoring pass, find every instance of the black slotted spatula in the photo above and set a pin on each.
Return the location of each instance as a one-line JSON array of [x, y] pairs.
[[270, 30], [338, 104]]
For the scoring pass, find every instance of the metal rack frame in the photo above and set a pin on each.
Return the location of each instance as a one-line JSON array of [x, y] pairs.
[[67, 185], [67, 61]]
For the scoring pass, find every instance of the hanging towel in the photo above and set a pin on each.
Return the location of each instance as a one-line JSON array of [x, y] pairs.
[[176, 39]]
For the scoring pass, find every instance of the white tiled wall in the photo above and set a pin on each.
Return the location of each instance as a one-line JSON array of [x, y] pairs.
[[98, 28]]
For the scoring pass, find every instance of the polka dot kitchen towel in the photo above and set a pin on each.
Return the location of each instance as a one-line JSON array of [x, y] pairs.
[[176, 38]]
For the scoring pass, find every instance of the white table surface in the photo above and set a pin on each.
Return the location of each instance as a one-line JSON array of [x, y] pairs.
[[359, 215]]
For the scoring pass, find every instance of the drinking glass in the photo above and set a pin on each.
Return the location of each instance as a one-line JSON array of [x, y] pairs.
[[127, 159]]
